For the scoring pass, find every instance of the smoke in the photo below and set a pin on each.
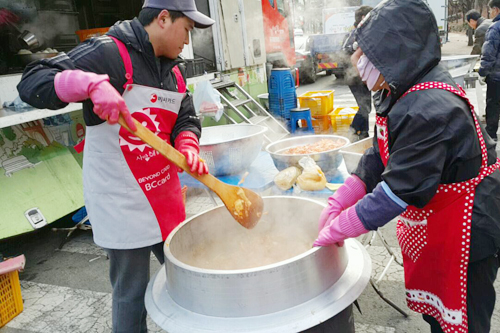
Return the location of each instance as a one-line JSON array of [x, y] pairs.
[[309, 16], [214, 240], [203, 46], [48, 25]]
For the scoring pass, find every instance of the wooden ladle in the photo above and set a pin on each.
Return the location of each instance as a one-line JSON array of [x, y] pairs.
[[245, 205]]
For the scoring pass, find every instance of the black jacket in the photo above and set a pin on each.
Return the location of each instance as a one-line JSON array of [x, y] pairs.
[[490, 61], [479, 34], [100, 55], [432, 136]]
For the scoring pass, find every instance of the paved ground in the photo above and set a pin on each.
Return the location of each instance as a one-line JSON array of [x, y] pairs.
[[68, 290]]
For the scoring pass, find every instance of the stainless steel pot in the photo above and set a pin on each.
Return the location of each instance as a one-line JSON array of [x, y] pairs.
[[287, 296], [230, 149], [327, 160]]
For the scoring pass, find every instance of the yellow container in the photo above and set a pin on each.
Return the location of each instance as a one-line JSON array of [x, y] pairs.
[[341, 120], [320, 102], [11, 302], [321, 124]]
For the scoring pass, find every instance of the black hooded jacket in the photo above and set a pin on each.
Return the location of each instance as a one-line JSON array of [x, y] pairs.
[[432, 136], [100, 55]]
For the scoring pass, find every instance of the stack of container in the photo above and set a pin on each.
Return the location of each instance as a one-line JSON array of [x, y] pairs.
[[282, 93], [321, 104]]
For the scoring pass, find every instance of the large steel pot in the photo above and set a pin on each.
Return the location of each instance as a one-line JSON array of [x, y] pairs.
[[291, 295], [230, 149]]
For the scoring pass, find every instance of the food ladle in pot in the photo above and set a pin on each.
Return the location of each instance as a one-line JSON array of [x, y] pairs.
[[243, 204]]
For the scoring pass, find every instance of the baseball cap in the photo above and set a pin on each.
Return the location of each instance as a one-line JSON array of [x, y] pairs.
[[187, 7]]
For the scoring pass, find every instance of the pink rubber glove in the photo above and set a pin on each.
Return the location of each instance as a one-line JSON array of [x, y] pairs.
[[187, 143], [76, 86], [346, 196], [346, 225]]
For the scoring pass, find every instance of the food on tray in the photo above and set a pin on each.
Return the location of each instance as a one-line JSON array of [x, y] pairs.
[[312, 178], [286, 178], [317, 147], [24, 51]]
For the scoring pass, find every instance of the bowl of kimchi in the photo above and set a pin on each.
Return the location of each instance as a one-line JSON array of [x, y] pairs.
[[323, 149]]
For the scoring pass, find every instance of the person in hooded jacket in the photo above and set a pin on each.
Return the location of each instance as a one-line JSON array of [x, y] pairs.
[[432, 166], [132, 193], [359, 126]]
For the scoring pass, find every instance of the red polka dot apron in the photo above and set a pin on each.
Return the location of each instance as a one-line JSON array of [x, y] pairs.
[[435, 240]]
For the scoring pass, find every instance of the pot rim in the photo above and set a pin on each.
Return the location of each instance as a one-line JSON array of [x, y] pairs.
[[168, 254], [262, 131], [326, 136]]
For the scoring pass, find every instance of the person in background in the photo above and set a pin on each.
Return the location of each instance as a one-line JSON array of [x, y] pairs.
[[132, 193], [432, 167], [480, 26], [359, 126], [490, 69]]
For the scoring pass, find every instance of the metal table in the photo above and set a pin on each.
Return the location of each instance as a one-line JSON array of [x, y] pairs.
[[261, 175]]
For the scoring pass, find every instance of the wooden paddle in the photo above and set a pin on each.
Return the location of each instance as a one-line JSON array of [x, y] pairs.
[[245, 205]]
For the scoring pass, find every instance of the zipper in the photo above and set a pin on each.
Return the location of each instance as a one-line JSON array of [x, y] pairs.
[[164, 69]]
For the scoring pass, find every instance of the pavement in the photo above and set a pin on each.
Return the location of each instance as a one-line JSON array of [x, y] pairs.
[[67, 290]]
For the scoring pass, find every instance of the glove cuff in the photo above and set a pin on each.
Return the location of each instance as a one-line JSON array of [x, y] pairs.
[[187, 139], [350, 224], [76, 85], [350, 193]]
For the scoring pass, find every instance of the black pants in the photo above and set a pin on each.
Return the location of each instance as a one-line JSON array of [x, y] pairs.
[[481, 296], [363, 97], [342, 322], [129, 275], [492, 107]]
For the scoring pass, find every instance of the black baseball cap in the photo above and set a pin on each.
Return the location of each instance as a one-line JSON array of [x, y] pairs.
[[187, 7]]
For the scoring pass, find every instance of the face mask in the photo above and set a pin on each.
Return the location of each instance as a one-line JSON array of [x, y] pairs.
[[369, 74]]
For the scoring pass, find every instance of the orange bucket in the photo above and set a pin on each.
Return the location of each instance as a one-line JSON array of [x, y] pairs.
[[89, 33]]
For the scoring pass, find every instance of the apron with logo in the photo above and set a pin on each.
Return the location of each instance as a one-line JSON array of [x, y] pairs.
[[142, 185], [435, 240]]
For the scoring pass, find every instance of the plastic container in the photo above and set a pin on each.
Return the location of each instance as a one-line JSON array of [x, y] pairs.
[[320, 102], [282, 93], [11, 301], [341, 118], [321, 124], [89, 33], [195, 67]]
